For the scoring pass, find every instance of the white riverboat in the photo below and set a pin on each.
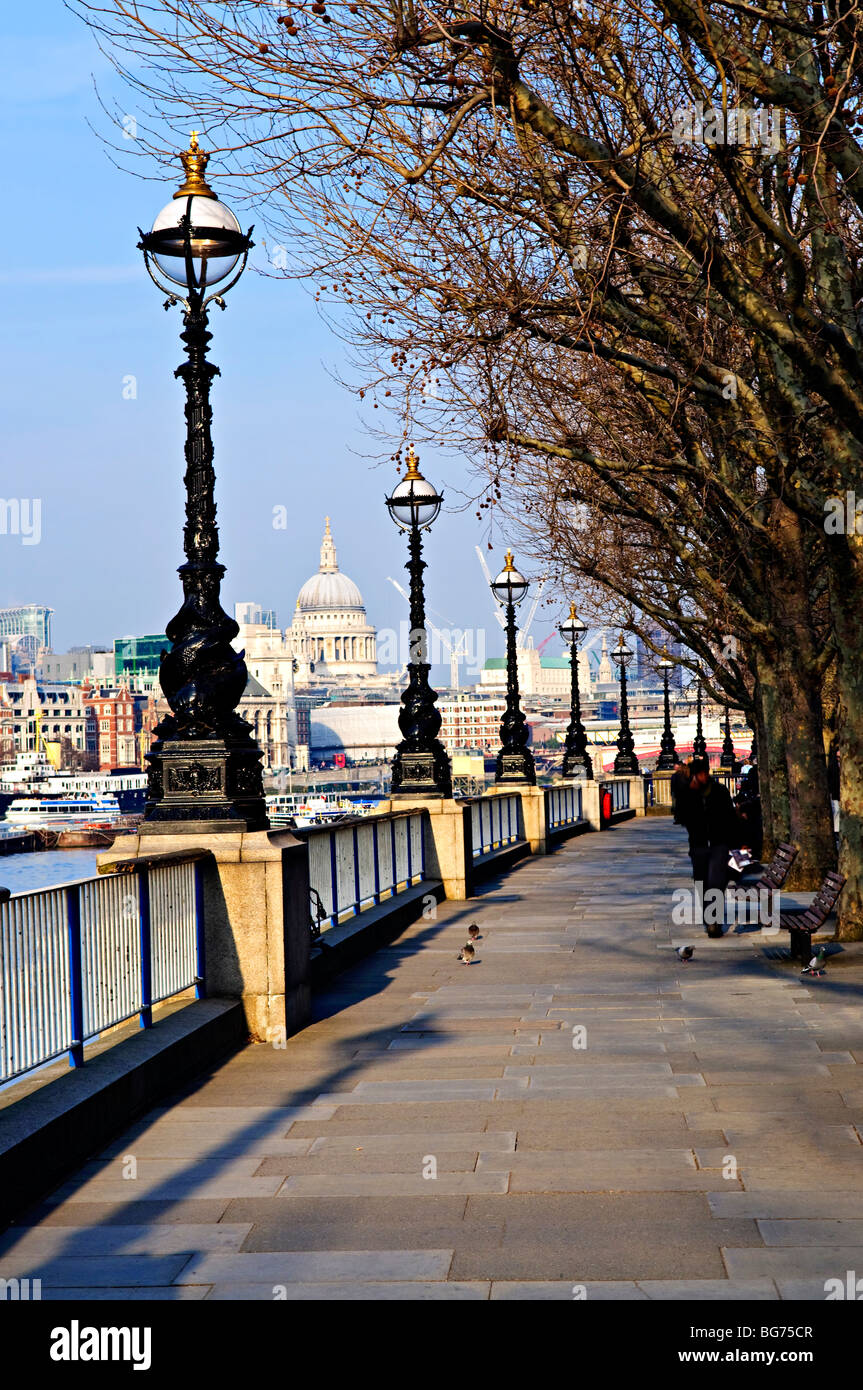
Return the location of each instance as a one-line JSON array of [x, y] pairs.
[[302, 810], [61, 813]]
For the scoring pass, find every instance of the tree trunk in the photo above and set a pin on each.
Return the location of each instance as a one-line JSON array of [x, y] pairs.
[[772, 765], [798, 686], [846, 606], [810, 813]]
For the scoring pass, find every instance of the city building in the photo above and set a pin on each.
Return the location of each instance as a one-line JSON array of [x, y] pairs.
[[471, 721], [111, 727], [329, 648], [253, 615], [646, 668], [75, 665], [272, 716], [137, 660], [44, 715], [26, 630], [545, 676], [330, 636], [362, 733]]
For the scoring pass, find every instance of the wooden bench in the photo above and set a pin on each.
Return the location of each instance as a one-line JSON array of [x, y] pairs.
[[776, 872], [802, 925]]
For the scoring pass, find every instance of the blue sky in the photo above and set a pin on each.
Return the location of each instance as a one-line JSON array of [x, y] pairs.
[[81, 316]]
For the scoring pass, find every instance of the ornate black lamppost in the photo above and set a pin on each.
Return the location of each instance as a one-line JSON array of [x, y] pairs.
[[626, 763], [205, 765], [421, 765], [515, 760], [667, 750], [699, 743], [727, 758], [576, 760]]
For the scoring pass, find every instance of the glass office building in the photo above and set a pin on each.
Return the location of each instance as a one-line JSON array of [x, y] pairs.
[[26, 630], [139, 656]]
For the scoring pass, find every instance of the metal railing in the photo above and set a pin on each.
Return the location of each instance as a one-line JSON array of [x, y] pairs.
[[657, 789], [619, 794], [358, 866], [79, 958], [563, 807], [657, 785], [495, 823]]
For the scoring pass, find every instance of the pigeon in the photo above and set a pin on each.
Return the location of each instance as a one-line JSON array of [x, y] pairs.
[[466, 954], [685, 952], [473, 932], [816, 964]]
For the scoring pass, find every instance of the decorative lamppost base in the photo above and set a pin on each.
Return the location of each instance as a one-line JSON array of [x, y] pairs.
[[577, 765], [422, 774], [626, 765], [210, 785], [515, 767], [665, 762]]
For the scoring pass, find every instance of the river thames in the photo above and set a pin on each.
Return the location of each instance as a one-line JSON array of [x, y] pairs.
[[23, 873]]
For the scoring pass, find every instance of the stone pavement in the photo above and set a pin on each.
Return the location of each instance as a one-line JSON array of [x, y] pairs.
[[576, 1108]]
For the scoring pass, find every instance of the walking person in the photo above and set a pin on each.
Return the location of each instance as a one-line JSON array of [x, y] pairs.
[[679, 788], [714, 828]]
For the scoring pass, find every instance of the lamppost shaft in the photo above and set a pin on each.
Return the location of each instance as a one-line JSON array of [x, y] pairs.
[[668, 752], [421, 765], [200, 533], [205, 765], [699, 743], [576, 761], [626, 762], [727, 756], [515, 760]]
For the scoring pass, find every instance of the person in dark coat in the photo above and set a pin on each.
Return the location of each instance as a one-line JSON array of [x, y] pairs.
[[749, 809], [679, 787], [714, 828]]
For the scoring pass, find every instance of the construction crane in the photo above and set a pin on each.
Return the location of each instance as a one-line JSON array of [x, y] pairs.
[[523, 631], [455, 652], [485, 569]]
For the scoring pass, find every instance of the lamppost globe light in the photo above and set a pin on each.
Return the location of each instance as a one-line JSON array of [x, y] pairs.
[[414, 501], [572, 629], [509, 586], [622, 655], [665, 662], [196, 241]]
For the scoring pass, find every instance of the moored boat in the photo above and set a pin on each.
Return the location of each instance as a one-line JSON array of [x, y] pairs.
[[63, 813]]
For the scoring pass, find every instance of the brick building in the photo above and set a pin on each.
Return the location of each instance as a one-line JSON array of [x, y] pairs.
[[111, 727]]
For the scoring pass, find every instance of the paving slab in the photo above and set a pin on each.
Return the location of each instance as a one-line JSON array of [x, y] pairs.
[[414, 1291], [51, 1242], [317, 1266]]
